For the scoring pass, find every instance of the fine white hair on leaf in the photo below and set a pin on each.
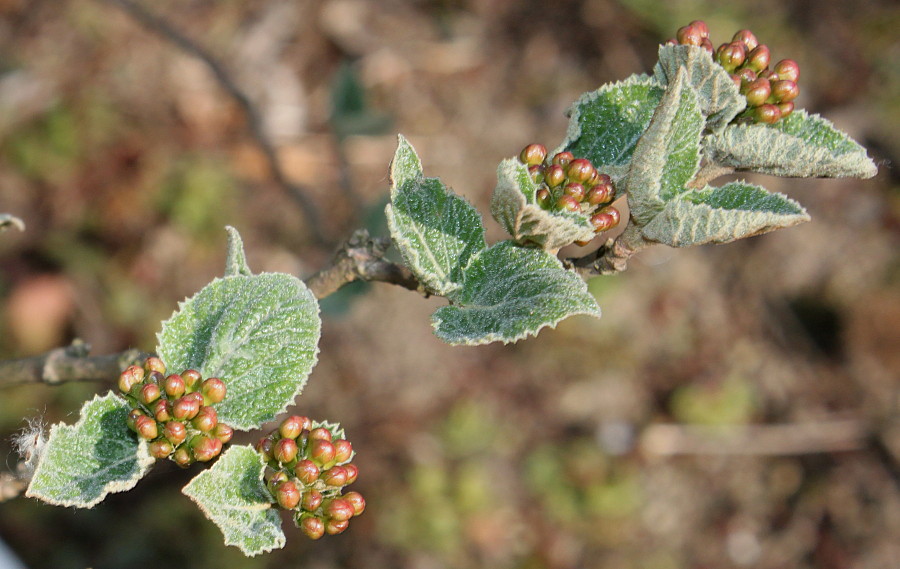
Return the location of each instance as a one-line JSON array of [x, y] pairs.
[[29, 443]]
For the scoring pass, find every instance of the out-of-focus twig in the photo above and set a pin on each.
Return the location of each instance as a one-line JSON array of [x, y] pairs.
[[768, 440], [167, 31], [361, 258], [613, 256], [71, 363]]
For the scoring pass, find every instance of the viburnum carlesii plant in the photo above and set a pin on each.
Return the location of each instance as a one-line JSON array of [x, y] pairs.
[[769, 93], [175, 412], [308, 466]]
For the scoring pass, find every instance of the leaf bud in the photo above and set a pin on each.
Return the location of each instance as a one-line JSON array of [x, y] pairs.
[[767, 114], [543, 198], [287, 495], [343, 450], [575, 190], [731, 55], [162, 410], [285, 450], [131, 376], [312, 527], [311, 500], [321, 451], [568, 203], [356, 501], [784, 91], [185, 408], [206, 419], [213, 391], [146, 427], [533, 154], [352, 473], [758, 58], [174, 386], [334, 527], [758, 92], [223, 432], [153, 363], [175, 432], [191, 378], [580, 170], [182, 457], [205, 448], [292, 426], [338, 509], [747, 38], [554, 175], [334, 476], [562, 159], [689, 35], [787, 70], [306, 471], [161, 448]]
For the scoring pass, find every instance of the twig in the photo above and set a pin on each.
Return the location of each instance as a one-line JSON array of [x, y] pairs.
[[70, 363], [361, 258], [766, 440], [613, 256], [163, 29]]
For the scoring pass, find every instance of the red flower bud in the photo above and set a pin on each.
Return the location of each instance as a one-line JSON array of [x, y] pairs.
[[205, 448], [580, 170], [311, 500], [562, 159], [213, 391], [149, 393], [338, 509], [352, 473], [701, 28], [191, 378], [554, 175], [731, 55], [767, 114], [131, 418], [356, 501], [758, 92], [291, 427], [605, 219], [185, 408], [575, 190], [161, 449], [312, 527], [206, 420], [747, 38], [334, 527], [784, 91], [343, 450], [689, 35], [146, 427], [162, 410], [334, 476], [321, 451], [786, 108], [153, 363], [306, 471], [787, 70], [174, 386], [601, 194], [568, 203], [758, 58], [285, 450], [287, 495], [223, 432], [533, 154], [130, 377], [182, 457], [175, 432]]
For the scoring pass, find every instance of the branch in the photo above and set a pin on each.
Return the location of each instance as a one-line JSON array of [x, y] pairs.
[[70, 363], [361, 258], [613, 256], [168, 32]]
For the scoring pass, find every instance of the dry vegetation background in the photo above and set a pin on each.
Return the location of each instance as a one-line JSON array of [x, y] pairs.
[[126, 157]]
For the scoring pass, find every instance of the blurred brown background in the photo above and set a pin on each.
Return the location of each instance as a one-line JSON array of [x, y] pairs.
[[126, 157]]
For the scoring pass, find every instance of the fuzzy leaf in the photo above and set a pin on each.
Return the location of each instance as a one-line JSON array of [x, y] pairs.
[[668, 154], [84, 462], [513, 206], [259, 334], [605, 125], [720, 100], [434, 229], [510, 293], [232, 494], [235, 259], [799, 145], [720, 215]]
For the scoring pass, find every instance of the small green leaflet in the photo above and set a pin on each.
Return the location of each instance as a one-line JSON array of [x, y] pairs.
[[435, 230], [235, 259], [720, 100], [259, 334], [800, 145], [667, 156], [510, 293], [84, 462], [605, 125], [513, 206], [232, 494], [720, 215]]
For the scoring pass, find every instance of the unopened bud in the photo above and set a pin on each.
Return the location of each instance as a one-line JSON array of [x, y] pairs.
[[162, 410], [689, 35], [767, 114], [149, 393], [223, 432], [291, 427], [161, 449], [554, 175], [784, 91], [213, 391], [185, 408], [786, 108], [205, 448], [265, 446], [130, 377], [285, 450], [562, 159], [191, 379], [747, 38], [321, 451], [175, 432], [533, 154], [758, 92], [731, 55], [306, 471], [356, 501], [338, 509], [343, 450], [580, 170], [287, 495], [206, 420], [334, 527], [758, 58], [153, 363], [146, 427], [605, 219], [352, 473], [131, 418], [174, 386], [601, 194], [334, 476], [537, 173], [312, 527], [568, 203], [787, 70], [311, 500], [543, 198], [575, 190], [182, 457], [701, 28]]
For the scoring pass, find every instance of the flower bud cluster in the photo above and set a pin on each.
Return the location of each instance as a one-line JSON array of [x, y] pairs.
[[175, 412], [571, 184], [770, 93], [307, 470]]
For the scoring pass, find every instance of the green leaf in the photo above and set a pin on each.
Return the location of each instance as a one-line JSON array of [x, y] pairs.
[[235, 259], [667, 156], [605, 125], [510, 293], [7, 221], [799, 145], [435, 230], [720, 100], [233, 495], [259, 334], [720, 215], [84, 462], [513, 206]]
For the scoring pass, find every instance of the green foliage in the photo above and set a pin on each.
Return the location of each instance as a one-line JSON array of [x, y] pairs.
[[84, 462], [233, 495], [258, 333]]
